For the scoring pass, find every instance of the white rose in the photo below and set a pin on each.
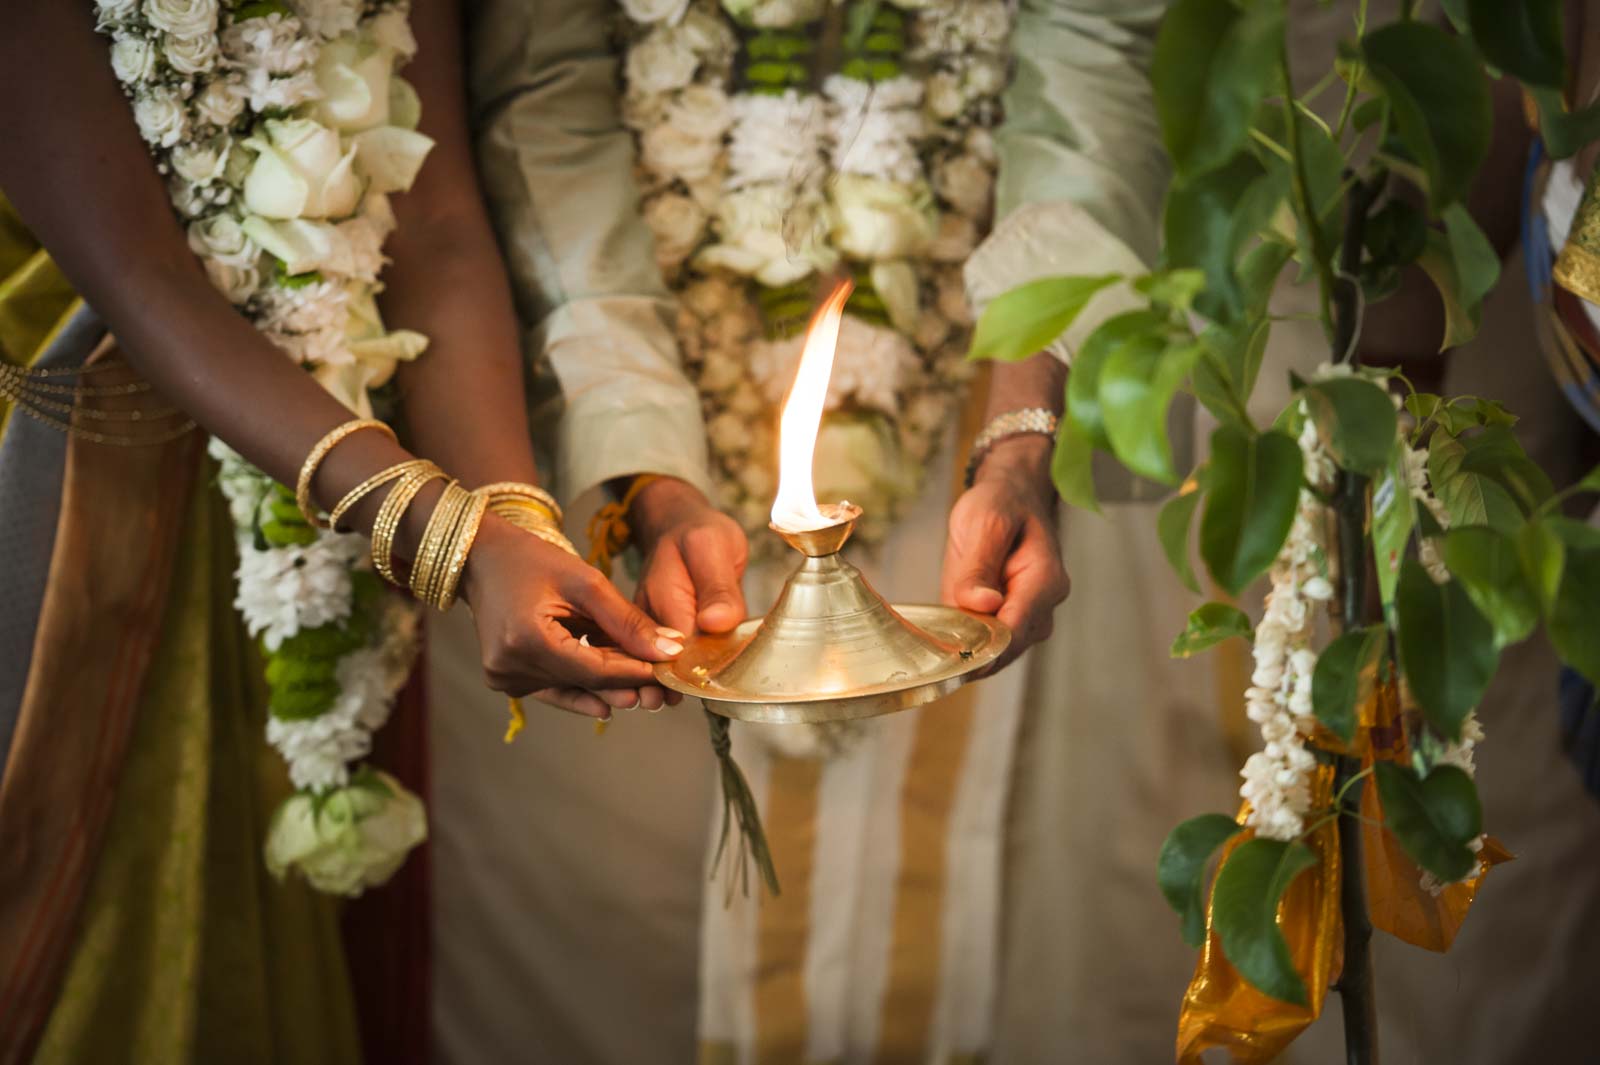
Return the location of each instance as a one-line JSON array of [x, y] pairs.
[[301, 171], [708, 36], [642, 110], [747, 400], [706, 296], [183, 18], [237, 283], [896, 285], [348, 840], [201, 162], [190, 55], [953, 303], [218, 103], [353, 73], [390, 157], [967, 184], [871, 366], [727, 432], [674, 153], [984, 21], [701, 111], [113, 12], [655, 10], [720, 371], [661, 62], [765, 233], [222, 237], [985, 76], [161, 117], [392, 30], [133, 58], [980, 144], [678, 224], [876, 219], [932, 329]]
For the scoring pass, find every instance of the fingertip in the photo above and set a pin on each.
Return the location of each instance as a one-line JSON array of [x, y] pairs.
[[981, 598], [719, 617]]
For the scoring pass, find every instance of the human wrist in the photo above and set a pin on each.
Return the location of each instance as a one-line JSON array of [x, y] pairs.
[[1020, 462], [662, 504]]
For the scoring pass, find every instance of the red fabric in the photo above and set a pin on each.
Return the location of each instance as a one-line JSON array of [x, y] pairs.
[[388, 931]]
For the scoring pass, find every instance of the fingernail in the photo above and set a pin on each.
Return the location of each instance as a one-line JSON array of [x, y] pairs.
[[655, 709], [669, 647], [672, 634]]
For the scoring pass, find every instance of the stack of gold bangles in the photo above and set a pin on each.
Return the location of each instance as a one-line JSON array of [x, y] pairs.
[[452, 527]]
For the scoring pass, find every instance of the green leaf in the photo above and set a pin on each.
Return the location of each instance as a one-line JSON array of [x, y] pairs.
[[1173, 289], [1477, 263], [1497, 454], [1434, 818], [1356, 418], [1591, 481], [1209, 624], [1470, 496], [1574, 619], [1205, 226], [1181, 868], [1344, 678], [1439, 98], [1244, 912], [1021, 323], [1083, 383], [1072, 465], [1172, 526], [1543, 556], [1487, 564], [1213, 64], [1447, 648], [1136, 389], [1565, 132], [1457, 10], [1324, 166], [1255, 487], [1226, 371], [1395, 235], [1522, 38], [1394, 515]]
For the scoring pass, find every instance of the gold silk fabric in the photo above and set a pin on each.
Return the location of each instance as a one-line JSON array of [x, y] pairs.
[[35, 301]]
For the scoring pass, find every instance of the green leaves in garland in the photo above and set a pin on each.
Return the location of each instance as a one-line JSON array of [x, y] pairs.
[[1244, 911], [1345, 676], [1356, 418], [1213, 64], [1210, 624], [1522, 38], [1020, 323], [1181, 869], [1434, 818], [1439, 98], [1254, 489], [1447, 648]]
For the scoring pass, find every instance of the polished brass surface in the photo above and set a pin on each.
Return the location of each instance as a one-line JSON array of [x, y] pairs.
[[828, 540], [833, 650]]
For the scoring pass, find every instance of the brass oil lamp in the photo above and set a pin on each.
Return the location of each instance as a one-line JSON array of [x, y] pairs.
[[831, 649]]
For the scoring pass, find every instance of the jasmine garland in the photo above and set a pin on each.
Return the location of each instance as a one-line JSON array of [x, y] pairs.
[[281, 129]]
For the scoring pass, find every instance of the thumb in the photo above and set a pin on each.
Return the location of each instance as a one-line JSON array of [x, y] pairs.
[[718, 594], [632, 629], [974, 562]]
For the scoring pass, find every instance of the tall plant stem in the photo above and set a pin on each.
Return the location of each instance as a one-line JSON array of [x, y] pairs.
[[1356, 988]]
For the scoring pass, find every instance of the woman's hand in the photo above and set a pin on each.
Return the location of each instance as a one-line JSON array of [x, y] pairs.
[[551, 626]]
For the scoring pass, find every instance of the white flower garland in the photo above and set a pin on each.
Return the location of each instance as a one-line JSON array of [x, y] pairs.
[[281, 128], [751, 192]]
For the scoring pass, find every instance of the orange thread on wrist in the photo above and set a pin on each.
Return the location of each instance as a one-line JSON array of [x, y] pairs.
[[609, 531]]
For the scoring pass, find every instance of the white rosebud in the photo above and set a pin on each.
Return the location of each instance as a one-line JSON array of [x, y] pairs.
[[353, 73], [701, 111], [1318, 588], [766, 233], [115, 12], [967, 184], [221, 237], [348, 840], [775, 14], [190, 55], [720, 371], [161, 117], [218, 103], [392, 30], [985, 76], [678, 224], [133, 58], [201, 162], [661, 62], [328, 18], [183, 18], [655, 10], [945, 98], [237, 283], [671, 152], [300, 171], [706, 296]]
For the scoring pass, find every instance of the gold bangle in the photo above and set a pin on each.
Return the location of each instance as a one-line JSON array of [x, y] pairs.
[[441, 523], [308, 468], [533, 521], [506, 506], [519, 490], [389, 515], [377, 480], [466, 535]]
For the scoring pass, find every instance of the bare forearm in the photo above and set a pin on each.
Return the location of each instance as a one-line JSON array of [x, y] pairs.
[[464, 400], [1037, 382]]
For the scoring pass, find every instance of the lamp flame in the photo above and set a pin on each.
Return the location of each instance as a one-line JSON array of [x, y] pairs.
[[795, 509]]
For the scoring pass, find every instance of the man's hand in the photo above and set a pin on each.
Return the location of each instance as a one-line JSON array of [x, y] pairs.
[[1003, 555], [694, 558]]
